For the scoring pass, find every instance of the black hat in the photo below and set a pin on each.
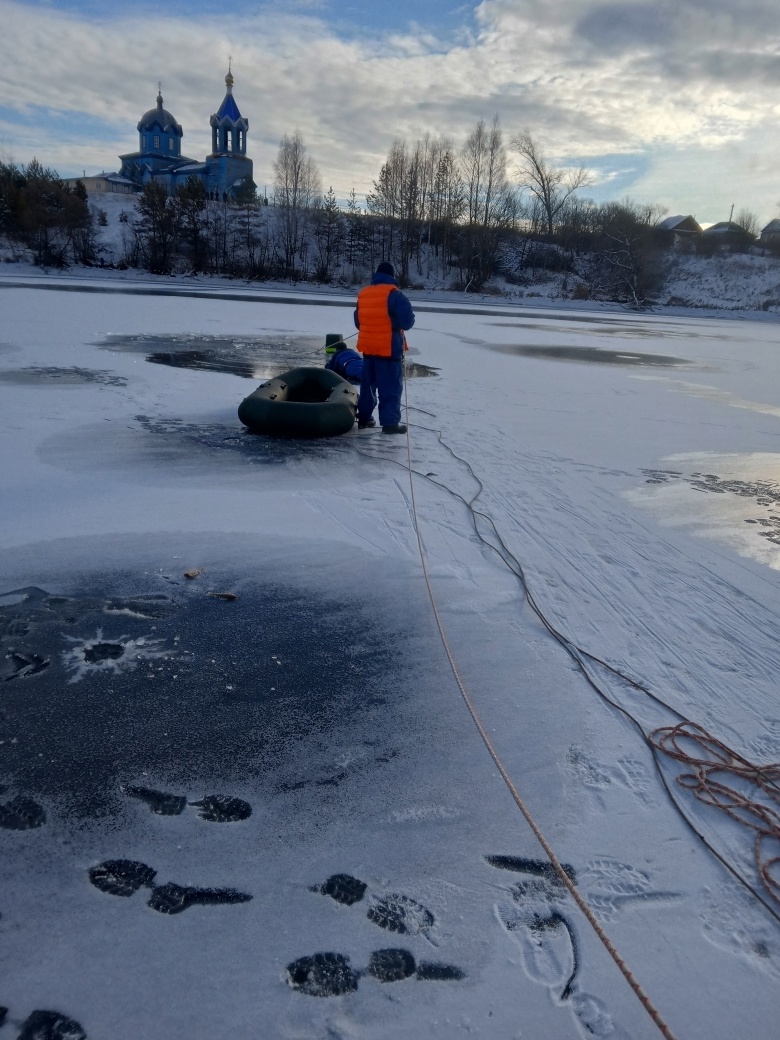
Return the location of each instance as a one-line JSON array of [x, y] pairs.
[[386, 268]]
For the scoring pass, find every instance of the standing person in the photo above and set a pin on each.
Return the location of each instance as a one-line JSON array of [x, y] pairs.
[[381, 316]]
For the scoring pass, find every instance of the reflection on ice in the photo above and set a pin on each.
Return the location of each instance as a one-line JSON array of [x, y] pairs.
[[592, 354], [52, 375], [714, 393], [732, 498]]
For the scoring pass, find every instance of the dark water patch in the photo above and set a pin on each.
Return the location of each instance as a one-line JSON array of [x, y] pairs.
[[203, 361], [414, 370], [22, 610], [203, 692], [217, 439], [209, 361], [250, 357], [592, 355], [157, 606], [96, 652], [49, 375], [649, 329], [322, 975]]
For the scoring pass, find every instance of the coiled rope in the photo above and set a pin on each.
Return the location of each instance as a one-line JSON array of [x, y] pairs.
[[644, 999], [712, 764]]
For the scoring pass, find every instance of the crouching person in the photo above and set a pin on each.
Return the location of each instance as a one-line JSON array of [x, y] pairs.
[[346, 363]]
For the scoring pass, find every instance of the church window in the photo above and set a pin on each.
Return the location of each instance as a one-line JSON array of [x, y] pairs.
[[156, 141]]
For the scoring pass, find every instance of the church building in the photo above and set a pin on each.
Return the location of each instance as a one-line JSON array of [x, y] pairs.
[[223, 173]]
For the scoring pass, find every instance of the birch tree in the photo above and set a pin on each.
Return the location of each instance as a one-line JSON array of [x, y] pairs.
[[297, 187], [550, 186]]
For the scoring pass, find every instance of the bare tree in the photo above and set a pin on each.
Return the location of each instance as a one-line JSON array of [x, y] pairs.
[[297, 187], [447, 201], [385, 202], [549, 185], [748, 221], [626, 259], [490, 202]]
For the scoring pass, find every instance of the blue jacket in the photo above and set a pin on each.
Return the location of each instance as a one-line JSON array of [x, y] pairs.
[[347, 363], [399, 310]]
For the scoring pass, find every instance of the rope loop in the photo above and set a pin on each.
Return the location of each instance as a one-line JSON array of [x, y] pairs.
[[725, 780]]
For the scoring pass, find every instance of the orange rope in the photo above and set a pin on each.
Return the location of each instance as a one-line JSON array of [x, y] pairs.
[[709, 759], [644, 999]]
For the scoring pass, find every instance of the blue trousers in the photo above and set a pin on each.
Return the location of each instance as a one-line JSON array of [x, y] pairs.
[[384, 378]]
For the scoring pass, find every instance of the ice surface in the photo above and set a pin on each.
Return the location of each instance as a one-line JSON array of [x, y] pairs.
[[306, 726]]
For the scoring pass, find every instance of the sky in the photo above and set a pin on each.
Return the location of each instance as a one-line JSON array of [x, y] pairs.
[[672, 102]]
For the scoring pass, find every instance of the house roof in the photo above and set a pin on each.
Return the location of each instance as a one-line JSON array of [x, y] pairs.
[[725, 227], [772, 228], [676, 223]]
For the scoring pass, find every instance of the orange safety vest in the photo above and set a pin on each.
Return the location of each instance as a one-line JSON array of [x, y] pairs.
[[375, 335]]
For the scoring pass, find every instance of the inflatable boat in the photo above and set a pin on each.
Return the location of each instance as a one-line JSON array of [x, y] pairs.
[[304, 402]]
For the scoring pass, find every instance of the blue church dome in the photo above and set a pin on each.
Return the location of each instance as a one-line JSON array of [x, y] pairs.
[[158, 159], [160, 118]]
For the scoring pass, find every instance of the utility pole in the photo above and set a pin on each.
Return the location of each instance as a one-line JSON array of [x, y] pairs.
[[732, 212]]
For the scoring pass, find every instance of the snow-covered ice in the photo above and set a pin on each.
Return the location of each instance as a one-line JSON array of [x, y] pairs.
[[628, 464]]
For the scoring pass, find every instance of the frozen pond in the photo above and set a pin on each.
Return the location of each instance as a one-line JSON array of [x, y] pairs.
[[240, 794]]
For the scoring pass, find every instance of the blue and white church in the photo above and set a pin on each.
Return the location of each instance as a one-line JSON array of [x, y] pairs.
[[225, 172]]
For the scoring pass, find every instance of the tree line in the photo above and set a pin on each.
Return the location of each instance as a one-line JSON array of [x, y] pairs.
[[456, 216], [50, 218]]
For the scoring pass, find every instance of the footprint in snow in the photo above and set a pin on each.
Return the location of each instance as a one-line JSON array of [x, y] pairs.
[[22, 666], [332, 975], [394, 912], [47, 1025], [536, 918], [124, 877], [215, 808], [21, 814]]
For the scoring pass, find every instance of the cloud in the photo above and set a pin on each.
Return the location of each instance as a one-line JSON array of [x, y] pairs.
[[589, 79]]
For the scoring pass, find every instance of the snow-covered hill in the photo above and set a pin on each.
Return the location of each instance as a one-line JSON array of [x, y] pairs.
[[721, 282]]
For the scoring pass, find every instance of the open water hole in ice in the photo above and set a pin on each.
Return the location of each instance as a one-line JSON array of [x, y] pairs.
[[251, 357]]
